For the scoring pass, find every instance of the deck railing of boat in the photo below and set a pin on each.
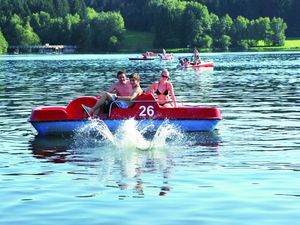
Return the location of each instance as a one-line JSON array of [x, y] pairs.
[[150, 101], [134, 101]]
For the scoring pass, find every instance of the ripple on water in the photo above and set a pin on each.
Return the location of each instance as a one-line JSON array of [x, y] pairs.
[[245, 172]]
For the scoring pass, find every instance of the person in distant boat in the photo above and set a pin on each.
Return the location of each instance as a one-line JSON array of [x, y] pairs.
[[124, 101], [163, 90], [197, 59], [186, 62], [183, 62]]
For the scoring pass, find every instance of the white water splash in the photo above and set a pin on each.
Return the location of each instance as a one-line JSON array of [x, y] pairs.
[[123, 148], [165, 131], [130, 135], [94, 131]]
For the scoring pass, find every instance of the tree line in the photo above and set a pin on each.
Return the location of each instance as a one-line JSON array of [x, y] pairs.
[[100, 25]]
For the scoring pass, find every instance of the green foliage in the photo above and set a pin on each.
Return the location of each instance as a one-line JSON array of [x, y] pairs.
[[243, 45], [3, 44], [277, 34], [100, 25], [101, 31], [113, 43], [222, 43], [259, 29], [221, 31], [28, 37], [285, 9], [239, 30], [197, 22], [204, 41], [19, 33], [167, 22]]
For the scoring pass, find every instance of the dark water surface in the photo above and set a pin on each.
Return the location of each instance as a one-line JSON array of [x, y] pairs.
[[245, 172]]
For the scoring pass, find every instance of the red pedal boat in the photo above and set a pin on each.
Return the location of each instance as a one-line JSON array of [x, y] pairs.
[[58, 120], [203, 64]]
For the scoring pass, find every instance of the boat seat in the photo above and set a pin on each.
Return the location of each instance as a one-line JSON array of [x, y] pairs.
[[145, 97], [74, 108]]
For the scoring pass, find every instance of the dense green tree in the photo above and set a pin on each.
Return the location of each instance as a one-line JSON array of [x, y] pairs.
[[3, 43], [205, 41], [259, 29], [252, 9], [41, 23], [101, 31], [62, 7], [220, 31], [277, 34], [78, 7], [239, 30], [196, 23], [19, 34], [224, 42], [99, 25], [28, 36], [37, 6], [167, 22]]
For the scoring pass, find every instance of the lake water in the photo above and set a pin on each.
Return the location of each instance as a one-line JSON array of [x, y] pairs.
[[245, 172]]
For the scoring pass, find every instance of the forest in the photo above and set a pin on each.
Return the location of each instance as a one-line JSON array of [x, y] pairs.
[[99, 26]]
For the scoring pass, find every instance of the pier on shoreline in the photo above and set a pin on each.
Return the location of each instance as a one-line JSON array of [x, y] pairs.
[[43, 49]]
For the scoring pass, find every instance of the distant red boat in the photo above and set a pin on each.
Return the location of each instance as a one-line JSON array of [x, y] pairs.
[[145, 56], [203, 64]]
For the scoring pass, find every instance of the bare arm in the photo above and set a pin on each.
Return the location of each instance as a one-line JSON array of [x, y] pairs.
[[112, 88], [151, 88], [134, 94], [172, 94]]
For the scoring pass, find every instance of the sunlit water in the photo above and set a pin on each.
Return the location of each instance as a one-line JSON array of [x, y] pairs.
[[245, 172]]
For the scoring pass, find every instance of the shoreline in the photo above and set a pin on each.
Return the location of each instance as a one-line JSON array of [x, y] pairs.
[[169, 51]]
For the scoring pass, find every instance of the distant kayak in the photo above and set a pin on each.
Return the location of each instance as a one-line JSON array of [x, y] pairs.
[[141, 58]]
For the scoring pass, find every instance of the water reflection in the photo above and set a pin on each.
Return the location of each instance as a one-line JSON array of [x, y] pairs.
[[51, 148], [58, 149], [125, 164]]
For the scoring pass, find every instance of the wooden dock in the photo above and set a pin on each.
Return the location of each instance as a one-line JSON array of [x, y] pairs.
[[43, 49]]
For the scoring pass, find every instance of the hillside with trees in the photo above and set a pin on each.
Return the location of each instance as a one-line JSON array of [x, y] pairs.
[[99, 26]]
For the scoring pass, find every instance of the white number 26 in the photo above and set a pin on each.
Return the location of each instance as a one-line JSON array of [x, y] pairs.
[[146, 111]]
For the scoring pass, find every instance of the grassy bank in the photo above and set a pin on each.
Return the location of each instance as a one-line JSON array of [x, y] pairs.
[[291, 44], [137, 42]]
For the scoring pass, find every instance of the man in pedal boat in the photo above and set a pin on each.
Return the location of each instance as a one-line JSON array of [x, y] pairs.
[[123, 101], [121, 88]]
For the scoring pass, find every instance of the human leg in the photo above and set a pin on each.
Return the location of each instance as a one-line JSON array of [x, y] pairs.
[[104, 96]]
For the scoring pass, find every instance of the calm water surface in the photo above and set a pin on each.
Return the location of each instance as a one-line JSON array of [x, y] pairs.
[[245, 172]]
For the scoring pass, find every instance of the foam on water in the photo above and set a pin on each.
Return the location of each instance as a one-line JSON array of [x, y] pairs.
[[130, 135], [94, 132]]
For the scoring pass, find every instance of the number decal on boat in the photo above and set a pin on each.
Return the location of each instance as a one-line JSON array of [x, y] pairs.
[[146, 111]]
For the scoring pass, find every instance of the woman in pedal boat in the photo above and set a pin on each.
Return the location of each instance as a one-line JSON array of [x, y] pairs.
[[163, 90]]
